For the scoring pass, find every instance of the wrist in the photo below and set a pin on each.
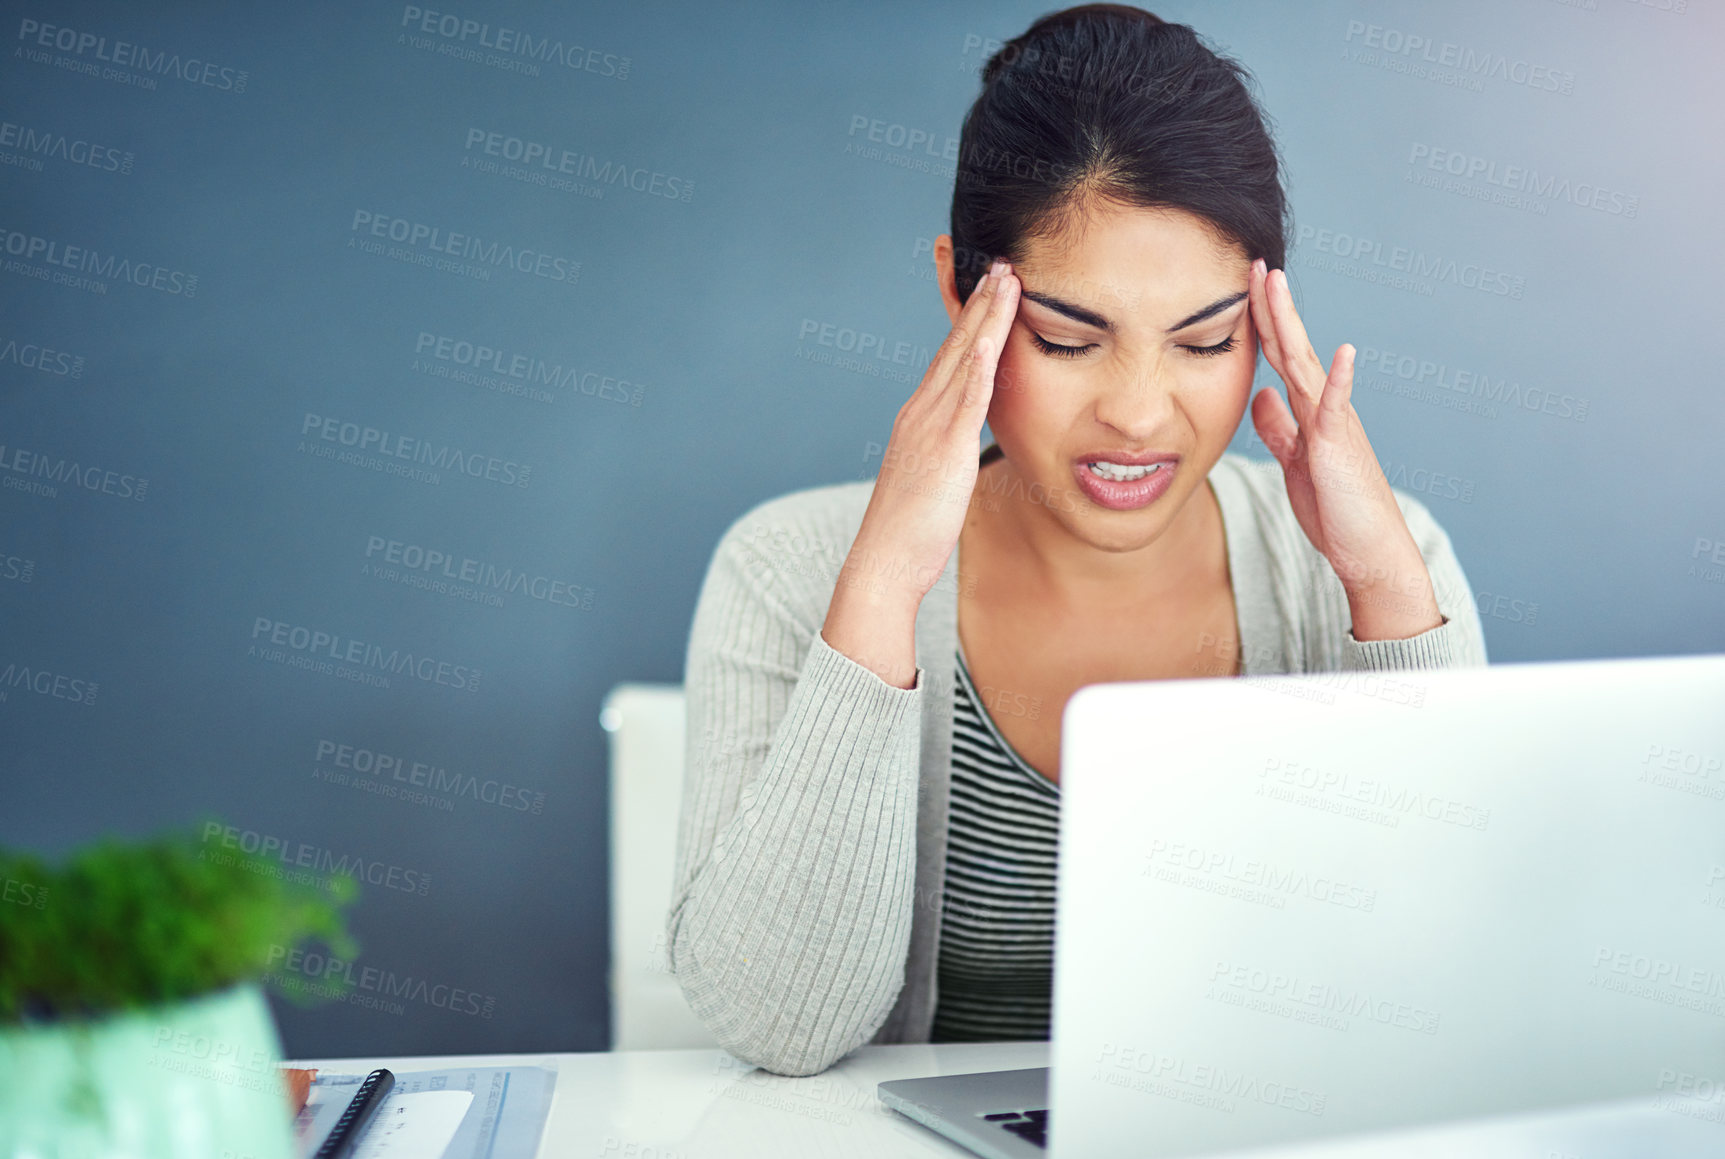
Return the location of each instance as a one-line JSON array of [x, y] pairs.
[[877, 570], [875, 626], [868, 579], [1386, 616], [1390, 598]]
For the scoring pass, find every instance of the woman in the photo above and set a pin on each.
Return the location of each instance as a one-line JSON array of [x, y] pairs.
[[867, 843]]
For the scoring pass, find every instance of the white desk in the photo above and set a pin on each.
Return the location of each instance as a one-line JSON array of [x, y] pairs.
[[703, 1104]]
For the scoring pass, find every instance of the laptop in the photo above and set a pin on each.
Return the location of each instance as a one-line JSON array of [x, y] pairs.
[[1306, 907]]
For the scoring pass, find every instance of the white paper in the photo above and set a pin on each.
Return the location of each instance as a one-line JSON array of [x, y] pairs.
[[501, 1115], [414, 1126]]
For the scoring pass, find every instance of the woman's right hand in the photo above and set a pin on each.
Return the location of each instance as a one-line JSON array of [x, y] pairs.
[[923, 492]]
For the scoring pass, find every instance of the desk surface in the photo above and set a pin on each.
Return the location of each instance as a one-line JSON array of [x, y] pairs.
[[704, 1104]]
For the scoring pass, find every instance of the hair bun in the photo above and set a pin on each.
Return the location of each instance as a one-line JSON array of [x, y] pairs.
[[1056, 21], [1111, 101]]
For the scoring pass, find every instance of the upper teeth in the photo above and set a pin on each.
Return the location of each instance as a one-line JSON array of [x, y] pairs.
[[1121, 473]]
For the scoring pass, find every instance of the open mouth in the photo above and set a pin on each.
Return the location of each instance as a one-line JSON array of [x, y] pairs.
[[1119, 484], [1121, 473]]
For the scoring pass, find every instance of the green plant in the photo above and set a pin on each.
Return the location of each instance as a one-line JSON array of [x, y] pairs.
[[128, 924]]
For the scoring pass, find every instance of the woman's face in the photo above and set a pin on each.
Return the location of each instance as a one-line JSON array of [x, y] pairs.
[[1134, 295]]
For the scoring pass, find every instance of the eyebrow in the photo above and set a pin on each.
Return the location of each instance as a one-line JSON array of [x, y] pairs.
[[1091, 318]]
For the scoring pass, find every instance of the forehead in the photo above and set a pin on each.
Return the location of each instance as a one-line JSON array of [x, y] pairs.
[[1127, 261]]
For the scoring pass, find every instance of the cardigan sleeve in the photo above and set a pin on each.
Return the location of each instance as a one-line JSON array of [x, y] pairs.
[[793, 891], [1459, 641]]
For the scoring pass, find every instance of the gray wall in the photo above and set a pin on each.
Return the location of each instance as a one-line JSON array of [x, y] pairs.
[[172, 512]]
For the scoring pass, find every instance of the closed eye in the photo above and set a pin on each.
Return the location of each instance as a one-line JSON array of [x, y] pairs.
[[1056, 349], [1059, 351], [1221, 347]]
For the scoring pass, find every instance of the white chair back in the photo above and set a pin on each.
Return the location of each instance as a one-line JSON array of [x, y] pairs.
[[645, 725]]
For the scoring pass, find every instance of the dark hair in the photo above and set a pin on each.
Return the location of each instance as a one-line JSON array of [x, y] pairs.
[[1106, 100]]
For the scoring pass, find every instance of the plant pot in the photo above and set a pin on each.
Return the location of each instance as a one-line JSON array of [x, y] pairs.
[[197, 1079]]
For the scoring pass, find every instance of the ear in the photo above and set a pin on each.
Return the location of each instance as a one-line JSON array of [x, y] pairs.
[[946, 276]]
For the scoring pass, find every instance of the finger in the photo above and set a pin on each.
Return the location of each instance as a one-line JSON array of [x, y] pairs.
[[964, 329], [1302, 370], [1004, 308], [975, 377], [1275, 425], [1257, 296], [978, 377], [1275, 352], [1339, 386]]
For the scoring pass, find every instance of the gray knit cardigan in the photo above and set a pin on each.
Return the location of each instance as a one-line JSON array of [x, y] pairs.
[[805, 909]]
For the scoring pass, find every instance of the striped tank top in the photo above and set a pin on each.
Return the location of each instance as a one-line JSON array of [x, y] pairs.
[[996, 960]]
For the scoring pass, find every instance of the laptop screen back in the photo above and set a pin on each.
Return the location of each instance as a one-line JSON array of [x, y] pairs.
[[1306, 906]]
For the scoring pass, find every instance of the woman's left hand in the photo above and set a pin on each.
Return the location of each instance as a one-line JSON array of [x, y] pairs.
[[1335, 486]]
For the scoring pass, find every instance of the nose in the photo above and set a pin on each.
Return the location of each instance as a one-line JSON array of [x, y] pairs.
[[1138, 402]]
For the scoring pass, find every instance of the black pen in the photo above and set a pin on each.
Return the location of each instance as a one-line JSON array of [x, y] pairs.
[[345, 1137]]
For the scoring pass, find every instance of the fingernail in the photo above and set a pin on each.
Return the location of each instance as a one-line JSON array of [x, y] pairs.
[[1258, 264], [998, 268]]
